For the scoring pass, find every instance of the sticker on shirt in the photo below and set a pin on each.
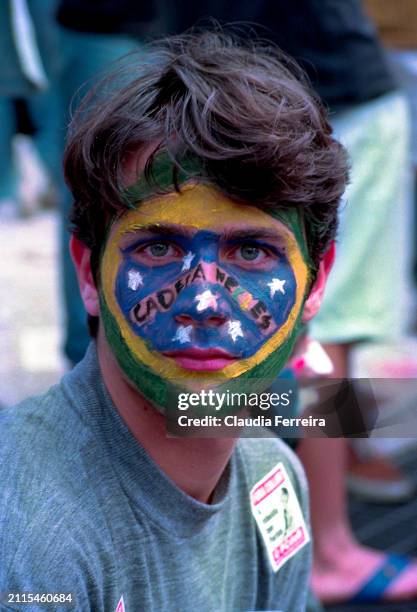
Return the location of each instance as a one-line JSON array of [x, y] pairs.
[[121, 605], [278, 515]]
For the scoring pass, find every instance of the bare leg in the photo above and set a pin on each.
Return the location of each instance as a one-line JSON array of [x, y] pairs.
[[341, 564]]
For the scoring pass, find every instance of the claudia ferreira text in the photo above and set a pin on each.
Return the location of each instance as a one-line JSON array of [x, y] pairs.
[[258, 421]]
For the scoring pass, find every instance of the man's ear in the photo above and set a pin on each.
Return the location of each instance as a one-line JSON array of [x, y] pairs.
[[314, 300], [81, 256]]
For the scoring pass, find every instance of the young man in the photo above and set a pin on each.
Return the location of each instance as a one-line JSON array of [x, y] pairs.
[[206, 185]]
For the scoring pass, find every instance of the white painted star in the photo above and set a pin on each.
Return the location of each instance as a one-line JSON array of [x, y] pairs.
[[135, 279], [206, 300], [187, 259], [235, 330], [183, 333], [276, 285]]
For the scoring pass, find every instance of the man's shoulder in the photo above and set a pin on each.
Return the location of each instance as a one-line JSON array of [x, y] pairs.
[[42, 449], [269, 451], [261, 455], [46, 504], [39, 423], [57, 420]]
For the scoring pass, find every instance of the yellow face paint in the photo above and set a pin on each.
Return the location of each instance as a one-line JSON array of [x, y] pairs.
[[144, 300]]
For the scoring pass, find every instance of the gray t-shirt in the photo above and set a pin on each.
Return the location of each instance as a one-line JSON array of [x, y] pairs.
[[84, 509]]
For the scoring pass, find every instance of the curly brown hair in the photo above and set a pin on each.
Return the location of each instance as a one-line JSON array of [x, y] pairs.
[[243, 109]]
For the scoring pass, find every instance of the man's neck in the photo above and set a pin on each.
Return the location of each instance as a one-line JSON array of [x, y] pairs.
[[195, 465]]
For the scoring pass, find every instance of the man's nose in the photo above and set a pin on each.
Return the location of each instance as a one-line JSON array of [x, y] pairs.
[[205, 308], [203, 305]]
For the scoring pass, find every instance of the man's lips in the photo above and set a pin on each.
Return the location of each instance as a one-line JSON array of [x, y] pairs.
[[201, 359]]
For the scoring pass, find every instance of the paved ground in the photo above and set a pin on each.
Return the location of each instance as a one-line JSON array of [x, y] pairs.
[[30, 318]]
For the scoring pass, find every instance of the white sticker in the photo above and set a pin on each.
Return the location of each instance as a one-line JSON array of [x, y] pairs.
[[121, 605], [278, 514]]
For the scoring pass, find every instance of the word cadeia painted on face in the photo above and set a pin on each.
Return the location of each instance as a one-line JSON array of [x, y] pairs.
[[163, 299]]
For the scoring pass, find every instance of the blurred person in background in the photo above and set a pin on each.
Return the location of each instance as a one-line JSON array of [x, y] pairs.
[[397, 27], [337, 45], [27, 47]]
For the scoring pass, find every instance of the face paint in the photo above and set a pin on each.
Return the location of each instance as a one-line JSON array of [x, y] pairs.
[[135, 279], [197, 290], [187, 259]]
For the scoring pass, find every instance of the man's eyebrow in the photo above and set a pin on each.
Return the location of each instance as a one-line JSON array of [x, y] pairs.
[[229, 234], [261, 233], [166, 229]]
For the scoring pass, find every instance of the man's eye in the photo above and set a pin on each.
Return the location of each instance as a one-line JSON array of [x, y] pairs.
[[250, 252], [251, 255], [158, 249]]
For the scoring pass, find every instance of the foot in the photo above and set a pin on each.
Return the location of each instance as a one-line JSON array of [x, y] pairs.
[[342, 578]]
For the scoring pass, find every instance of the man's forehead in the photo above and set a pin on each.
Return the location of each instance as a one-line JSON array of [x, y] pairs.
[[201, 206]]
